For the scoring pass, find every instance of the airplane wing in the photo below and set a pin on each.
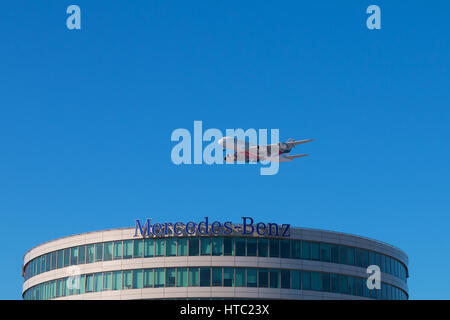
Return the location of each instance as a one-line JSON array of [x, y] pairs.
[[283, 158], [269, 147], [295, 156], [300, 141]]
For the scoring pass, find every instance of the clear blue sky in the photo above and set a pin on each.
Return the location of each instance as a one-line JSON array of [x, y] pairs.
[[86, 118]]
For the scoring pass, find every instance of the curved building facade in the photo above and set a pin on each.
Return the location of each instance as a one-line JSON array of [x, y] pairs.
[[123, 264]]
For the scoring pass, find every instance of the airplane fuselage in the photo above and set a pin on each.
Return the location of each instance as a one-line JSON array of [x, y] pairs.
[[243, 147]]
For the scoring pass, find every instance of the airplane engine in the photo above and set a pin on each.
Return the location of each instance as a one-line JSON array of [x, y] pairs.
[[283, 146], [230, 158]]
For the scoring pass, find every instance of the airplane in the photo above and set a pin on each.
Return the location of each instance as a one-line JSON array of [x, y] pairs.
[[244, 151]]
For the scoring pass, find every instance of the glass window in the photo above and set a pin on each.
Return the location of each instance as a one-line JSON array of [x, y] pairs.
[[117, 250], [325, 252], [274, 278], [359, 258], [365, 260], [148, 278], [351, 256], [137, 248], [263, 247], [171, 244], [383, 263], [81, 254], [182, 277], [34, 271], [90, 253], [108, 254], [343, 254], [49, 261], [127, 279], [82, 289], [240, 277], [32, 267], [48, 288], [240, 246], [252, 277], [326, 282], [306, 250], [41, 291], [39, 265], [117, 280], [205, 277], [137, 279], [343, 285], [159, 278], [334, 253], [42, 264], [296, 280], [374, 293], [388, 265], [315, 251], [217, 246], [170, 277], [64, 292], [274, 245], [59, 284], [98, 282], [217, 277], [228, 277], [351, 286], [53, 262], [378, 260], [285, 248], [73, 285], [263, 278], [193, 277], [107, 281], [99, 252], [89, 283], [372, 258], [193, 247], [251, 247], [60, 259], [365, 292], [397, 268], [394, 267], [149, 248], [182, 249], [285, 279], [127, 249], [316, 283], [334, 283], [295, 248], [228, 247], [205, 246], [66, 257], [45, 291], [306, 280], [359, 286], [160, 247]]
